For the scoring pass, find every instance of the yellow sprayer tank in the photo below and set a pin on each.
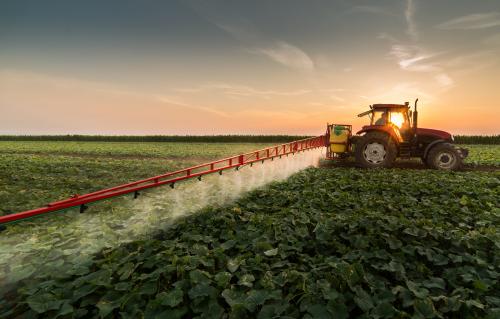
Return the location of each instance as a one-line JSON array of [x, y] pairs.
[[339, 138]]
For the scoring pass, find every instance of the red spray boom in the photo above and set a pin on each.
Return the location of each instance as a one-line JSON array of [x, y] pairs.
[[218, 166]]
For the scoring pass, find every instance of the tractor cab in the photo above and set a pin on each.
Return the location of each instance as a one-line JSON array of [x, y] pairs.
[[394, 118]]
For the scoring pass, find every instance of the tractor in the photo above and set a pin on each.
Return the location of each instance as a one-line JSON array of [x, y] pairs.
[[393, 133]]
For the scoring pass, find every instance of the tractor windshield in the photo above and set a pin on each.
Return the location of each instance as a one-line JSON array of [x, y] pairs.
[[397, 117], [400, 119], [379, 117]]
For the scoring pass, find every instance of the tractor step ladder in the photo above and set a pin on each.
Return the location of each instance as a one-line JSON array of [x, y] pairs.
[[405, 149]]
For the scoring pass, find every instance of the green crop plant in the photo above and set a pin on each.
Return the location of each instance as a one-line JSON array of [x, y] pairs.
[[327, 243]]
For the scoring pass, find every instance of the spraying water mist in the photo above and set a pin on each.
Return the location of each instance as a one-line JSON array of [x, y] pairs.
[[44, 247]]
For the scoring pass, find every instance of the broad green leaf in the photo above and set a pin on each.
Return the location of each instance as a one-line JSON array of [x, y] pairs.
[[246, 280], [480, 285], [171, 298], [256, 298], [233, 264], [148, 288], [363, 300], [319, 311], [106, 307], [21, 273], [474, 303], [417, 290], [228, 244], [65, 309], [383, 310], [201, 290], [271, 252], [234, 297], [109, 302], [44, 302], [83, 291], [425, 308], [338, 309], [198, 276], [222, 278], [434, 282]]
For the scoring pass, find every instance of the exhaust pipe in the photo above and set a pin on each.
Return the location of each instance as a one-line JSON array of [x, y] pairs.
[[415, 118]]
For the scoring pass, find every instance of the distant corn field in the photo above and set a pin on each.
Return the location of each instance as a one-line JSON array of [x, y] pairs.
[[159, 138], [459, 139], [477, 139]]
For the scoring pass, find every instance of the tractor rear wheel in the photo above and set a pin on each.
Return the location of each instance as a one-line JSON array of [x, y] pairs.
[[424, 161], [444, 156], [375, 149]]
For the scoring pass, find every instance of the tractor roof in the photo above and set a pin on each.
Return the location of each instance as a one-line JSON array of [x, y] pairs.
[[385, 106]]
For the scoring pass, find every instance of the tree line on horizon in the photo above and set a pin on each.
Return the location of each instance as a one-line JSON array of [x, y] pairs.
[[459, 139]]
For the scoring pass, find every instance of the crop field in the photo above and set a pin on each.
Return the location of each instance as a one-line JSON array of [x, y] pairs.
[[483, 155], [272, 241], [33, 174]]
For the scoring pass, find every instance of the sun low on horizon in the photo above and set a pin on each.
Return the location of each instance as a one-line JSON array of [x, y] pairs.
[[245, 67]]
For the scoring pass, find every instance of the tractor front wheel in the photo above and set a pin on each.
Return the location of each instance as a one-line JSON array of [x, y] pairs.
[[444, 156], [374, 150]]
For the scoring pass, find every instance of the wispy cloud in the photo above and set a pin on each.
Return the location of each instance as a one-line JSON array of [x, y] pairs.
[[444, 80], [275, 114], [241, 90], [333, 90], [472, 61], [243, 32], [66, 82], [387, 36], [337, 98], [175, 101], [371, 9], [413, 58], [472, 21], [287, 55], [103, 89], [410, 21], [399, 93], [253, 39]]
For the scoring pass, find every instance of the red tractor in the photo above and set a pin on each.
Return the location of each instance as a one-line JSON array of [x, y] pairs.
[[393, 133]]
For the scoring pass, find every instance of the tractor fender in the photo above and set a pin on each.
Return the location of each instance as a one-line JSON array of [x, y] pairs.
[[431, 145], [385, 129]]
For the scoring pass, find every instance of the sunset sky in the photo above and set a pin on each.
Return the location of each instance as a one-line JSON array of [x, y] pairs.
[[248, 67]]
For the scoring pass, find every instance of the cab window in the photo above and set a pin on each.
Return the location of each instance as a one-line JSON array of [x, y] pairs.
[[399, 119], [379, 118]]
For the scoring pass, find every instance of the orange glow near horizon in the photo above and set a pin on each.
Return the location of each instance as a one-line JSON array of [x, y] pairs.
[[98, 108]]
